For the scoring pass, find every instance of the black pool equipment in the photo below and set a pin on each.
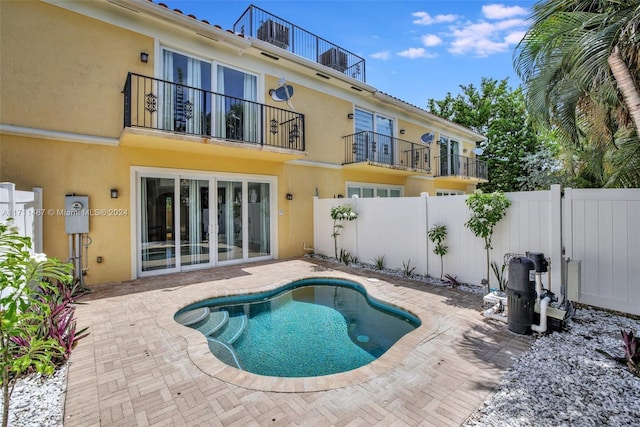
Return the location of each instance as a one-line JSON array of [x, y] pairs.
[[539, 260], [521, 295]]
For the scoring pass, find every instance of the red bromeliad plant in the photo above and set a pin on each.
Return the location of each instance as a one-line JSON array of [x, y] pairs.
[[631, 351], [631, 356], [24, 276], [61, 325]]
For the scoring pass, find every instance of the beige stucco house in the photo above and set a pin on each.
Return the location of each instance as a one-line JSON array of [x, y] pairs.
[[198, 146]]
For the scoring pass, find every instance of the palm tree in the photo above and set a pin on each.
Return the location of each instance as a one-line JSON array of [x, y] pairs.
[[580, 66]]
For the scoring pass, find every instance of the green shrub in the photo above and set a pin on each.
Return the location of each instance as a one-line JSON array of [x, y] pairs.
[[408, 270], [486, 211], [26, 301], [378, 262], [438, 234], [340, 213]]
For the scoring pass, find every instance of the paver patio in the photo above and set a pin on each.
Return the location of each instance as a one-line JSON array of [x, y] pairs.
[[138, 367]]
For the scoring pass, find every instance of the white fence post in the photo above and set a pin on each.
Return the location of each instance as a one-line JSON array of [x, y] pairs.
[[567, 244], [555, 238], [38, 245], [425, 216]]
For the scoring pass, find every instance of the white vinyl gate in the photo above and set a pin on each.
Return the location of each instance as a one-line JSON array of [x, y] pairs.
[[25, 210], [602, 230]]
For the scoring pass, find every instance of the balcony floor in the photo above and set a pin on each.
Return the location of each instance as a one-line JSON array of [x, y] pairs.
[[162, 140]]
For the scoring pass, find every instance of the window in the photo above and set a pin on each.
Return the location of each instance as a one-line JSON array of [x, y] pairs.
[[183, 107], [238, 113], [449, 192], [449, 157], [374, 137], [373, 190], [205, 98]]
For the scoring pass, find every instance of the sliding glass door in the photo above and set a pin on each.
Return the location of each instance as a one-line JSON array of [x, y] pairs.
[[194, 222], [188, 222], [259, 219], [157, 216], [230, 224]]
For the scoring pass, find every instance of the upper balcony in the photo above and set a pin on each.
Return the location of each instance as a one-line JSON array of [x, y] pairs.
[[176, 109], [371, 148], [458, 166], [262, 25]]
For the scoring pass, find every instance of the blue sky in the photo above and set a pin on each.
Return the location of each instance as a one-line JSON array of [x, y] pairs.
[[414, 50]]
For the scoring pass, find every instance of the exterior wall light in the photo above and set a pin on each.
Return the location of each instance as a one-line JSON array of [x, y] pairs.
[[402, 131], [114, 193], [289, 196], [144, 57], [350, 116]]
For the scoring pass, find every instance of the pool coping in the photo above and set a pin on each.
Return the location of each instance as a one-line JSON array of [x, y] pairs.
[[200, 355]]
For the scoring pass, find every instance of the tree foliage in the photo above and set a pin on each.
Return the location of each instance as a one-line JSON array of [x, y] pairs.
[[499, 113], [23, 279], [580, 66], [487, 209]]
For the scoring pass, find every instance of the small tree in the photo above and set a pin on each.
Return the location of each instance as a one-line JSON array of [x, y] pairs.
[[340, 213], [24, 277], [487, 209], [438, 234]]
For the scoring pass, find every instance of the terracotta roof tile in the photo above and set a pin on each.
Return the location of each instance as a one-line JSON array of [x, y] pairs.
[[193, 17]]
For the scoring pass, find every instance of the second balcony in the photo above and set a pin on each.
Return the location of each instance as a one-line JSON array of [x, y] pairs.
[[164, 110], [375, 149]]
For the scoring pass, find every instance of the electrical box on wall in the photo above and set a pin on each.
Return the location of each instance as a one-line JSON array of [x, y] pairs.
[[76, 214]]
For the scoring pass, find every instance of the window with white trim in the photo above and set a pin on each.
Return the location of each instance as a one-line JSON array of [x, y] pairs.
[[449, 192], [373, 190], [188, 104], [374, 136]]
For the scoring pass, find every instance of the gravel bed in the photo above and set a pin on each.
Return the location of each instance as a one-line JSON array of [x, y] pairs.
[[564, 380], [38, 401]]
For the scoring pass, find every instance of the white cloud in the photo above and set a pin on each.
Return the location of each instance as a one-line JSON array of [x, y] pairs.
[[500, 29], [500, 11], [486, 38], [514, 37], [510, 23], [384, 55], [431, 40], [416, 52], [425, 19]]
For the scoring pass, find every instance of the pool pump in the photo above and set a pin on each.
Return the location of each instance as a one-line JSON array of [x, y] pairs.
[[526, 296]]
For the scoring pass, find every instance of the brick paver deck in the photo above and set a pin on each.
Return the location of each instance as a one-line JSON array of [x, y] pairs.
[[138, 367]]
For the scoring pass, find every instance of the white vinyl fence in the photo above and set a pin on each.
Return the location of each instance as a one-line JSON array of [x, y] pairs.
[[602, 231], [397, 228], [25, 210]]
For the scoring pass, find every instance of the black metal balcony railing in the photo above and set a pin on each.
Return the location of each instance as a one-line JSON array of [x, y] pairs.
[[262, 25], [368, 146], [172, 107], [457, 165]]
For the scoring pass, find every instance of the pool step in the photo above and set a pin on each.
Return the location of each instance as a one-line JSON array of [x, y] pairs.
[[193, 318], [213, 322], [233, 329], [224, 352]]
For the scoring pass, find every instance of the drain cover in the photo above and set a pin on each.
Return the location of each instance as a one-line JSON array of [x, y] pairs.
[[363, 338]]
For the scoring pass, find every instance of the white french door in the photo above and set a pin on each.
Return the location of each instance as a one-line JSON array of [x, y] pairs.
[[374, 137], [189, 221]]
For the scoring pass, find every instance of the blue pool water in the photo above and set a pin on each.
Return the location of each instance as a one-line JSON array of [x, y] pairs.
[[308, 328]]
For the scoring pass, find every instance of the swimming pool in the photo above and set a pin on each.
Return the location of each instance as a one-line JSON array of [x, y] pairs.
[[311, 327]]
